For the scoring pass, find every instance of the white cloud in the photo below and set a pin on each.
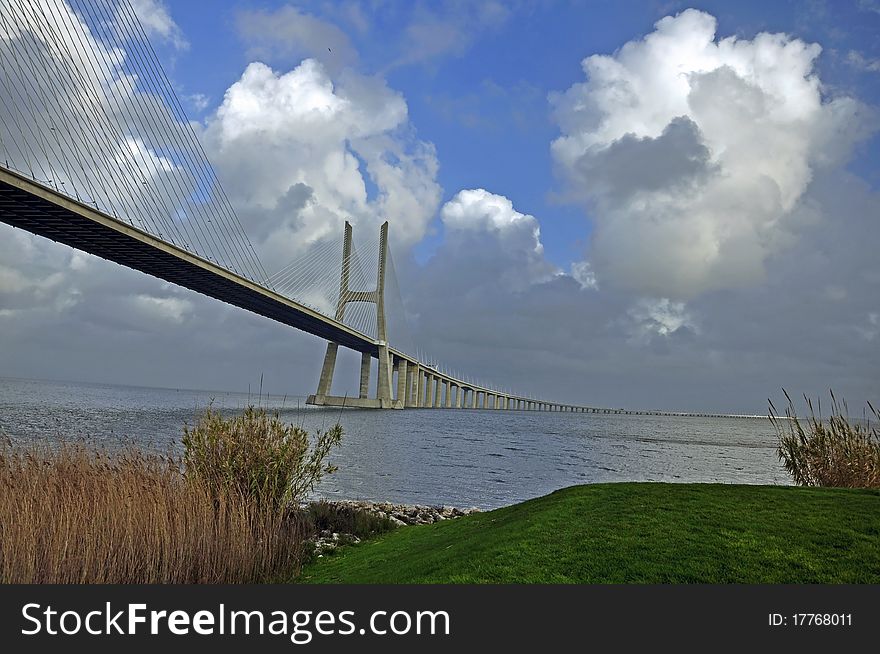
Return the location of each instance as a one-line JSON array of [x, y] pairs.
[[507, 242], [860, 62], [693, 154], [299, 153], [172, 309], [157, 22], [199, 101], [478, 209], [583, 274], [659, 317]]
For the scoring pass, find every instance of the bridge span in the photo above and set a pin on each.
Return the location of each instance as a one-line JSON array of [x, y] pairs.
[[404, 381]]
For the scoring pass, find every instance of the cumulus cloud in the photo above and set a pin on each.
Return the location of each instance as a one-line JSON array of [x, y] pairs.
[[506, 242], [300, 153], [693, 154]]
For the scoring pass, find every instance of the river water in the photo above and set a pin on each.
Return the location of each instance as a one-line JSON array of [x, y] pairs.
[[459, 457]]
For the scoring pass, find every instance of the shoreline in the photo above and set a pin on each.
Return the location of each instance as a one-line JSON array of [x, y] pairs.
[[400, 515]]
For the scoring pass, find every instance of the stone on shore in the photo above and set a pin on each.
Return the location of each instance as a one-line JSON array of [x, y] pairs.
[[400, 515]]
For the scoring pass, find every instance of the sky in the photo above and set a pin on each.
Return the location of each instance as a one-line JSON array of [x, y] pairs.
[[630, 204]]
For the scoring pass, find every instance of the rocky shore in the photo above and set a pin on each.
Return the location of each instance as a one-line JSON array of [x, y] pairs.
[[401, 515]]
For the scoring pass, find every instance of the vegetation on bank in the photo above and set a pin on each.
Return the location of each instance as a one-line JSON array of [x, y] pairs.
[[834, 451], [227, 512], [634, 533]]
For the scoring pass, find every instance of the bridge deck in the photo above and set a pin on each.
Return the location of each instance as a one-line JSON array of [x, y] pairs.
[[42, 211]]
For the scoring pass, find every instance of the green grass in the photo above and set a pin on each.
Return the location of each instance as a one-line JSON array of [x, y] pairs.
[[634, 533]]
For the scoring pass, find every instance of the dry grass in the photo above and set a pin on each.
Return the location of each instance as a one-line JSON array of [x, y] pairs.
[[73, 514], [835, 451]]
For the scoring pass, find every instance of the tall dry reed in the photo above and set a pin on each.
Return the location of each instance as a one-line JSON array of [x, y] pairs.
[[70, 513], [832, 451]]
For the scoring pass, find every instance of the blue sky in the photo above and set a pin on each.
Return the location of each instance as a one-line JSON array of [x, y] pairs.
[[482, 101]]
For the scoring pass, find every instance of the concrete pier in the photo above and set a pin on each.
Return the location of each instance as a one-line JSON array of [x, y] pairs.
[[366, 362]]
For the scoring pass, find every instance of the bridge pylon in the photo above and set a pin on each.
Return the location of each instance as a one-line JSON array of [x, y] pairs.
[[384, 398]]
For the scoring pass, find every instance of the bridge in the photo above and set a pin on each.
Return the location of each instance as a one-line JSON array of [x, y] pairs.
[[403, 380], [97, 153]]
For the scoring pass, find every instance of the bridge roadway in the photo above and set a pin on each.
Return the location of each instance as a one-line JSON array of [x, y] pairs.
[[41, 210]]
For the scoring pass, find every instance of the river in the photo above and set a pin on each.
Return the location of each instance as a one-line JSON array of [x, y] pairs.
[[460, 457]]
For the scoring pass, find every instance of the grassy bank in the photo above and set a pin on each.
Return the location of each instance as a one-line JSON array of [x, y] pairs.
[[634, 533]]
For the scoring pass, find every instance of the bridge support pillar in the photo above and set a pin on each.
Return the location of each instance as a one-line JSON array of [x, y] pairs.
[[407, 386], [437, 388], [366, 362], [402, 395], [326, 381], [426, 389], [458, 392], [447, 388], [383, 387]]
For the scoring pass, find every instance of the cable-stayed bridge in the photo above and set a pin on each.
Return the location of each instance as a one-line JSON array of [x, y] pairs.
[[97, 153]]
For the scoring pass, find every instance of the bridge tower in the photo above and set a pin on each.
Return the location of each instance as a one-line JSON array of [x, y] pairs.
[[384, 398]]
